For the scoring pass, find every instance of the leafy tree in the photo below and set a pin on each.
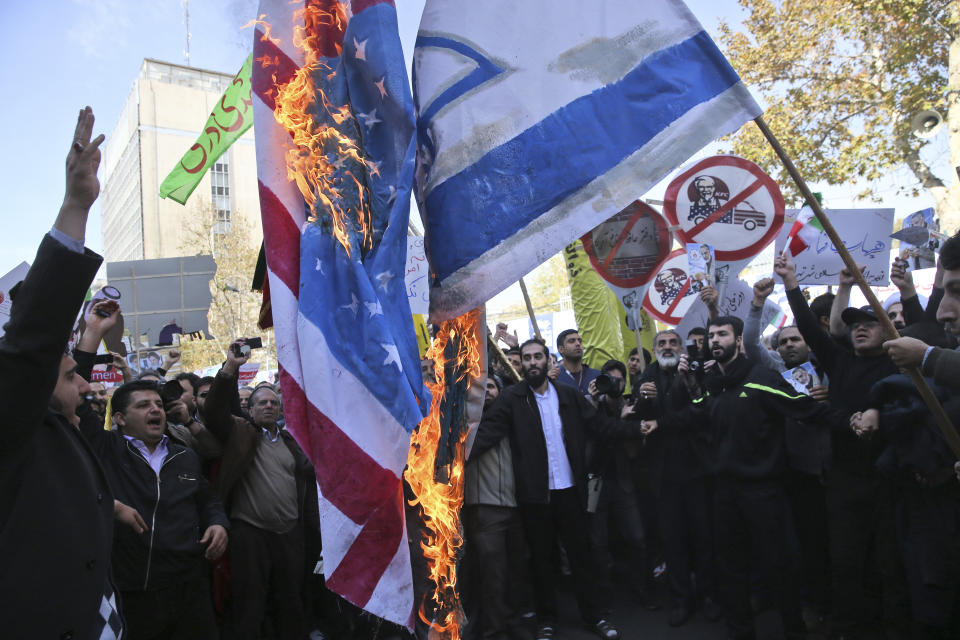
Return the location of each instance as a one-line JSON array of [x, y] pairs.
[[842, 79], [235, 308]]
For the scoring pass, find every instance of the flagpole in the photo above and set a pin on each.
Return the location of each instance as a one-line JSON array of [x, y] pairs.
[[943, 421], [533, 318]]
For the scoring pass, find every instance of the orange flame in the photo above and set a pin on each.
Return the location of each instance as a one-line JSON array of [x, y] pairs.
[[441, 502], [319, 149]]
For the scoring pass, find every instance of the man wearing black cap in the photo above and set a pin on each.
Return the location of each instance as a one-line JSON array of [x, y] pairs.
[[851, 483]]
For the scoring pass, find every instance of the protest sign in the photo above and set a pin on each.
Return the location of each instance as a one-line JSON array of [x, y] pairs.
[[726, 202], [7, 281], [701, 265], [735, 300], [246, 374], [417, 276], [866, 235], [802, 378], [113, 376], [670, 295], [626, 252]]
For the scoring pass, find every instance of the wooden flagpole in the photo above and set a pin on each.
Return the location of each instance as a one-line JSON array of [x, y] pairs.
[[533, 318], [943, 421]]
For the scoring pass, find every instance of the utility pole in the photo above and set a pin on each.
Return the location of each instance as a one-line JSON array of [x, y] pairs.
[[186, 21]]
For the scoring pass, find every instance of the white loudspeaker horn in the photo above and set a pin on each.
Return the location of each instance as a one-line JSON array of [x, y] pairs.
[[926, 124]]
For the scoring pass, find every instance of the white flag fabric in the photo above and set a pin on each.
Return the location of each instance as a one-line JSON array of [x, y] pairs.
[[538, 121]]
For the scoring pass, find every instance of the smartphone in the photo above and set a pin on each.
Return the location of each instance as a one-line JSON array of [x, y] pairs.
[[103, 358], [254, 343]]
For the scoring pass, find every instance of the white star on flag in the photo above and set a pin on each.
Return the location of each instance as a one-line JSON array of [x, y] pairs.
[[393, 194], [320, 267], [393, 355], [361, 47], [353, 306], [384, 277], [374, 168], [373, 308], [369, 119], [380, 86]]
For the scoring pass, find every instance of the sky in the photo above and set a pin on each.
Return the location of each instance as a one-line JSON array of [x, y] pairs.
[[64, 54]]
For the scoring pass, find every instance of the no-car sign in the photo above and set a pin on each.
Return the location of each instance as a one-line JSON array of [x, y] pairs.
[[727, 202], [627, 248], [672, 291]]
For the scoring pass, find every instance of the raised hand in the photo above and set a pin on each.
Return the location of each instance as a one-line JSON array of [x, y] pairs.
[[846, 276], [235, 358], [902, 278], [82, 186], [783, 266], [709, 296], [761, 291]]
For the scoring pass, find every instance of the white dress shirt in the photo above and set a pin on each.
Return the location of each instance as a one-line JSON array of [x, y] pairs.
[[559, 473]]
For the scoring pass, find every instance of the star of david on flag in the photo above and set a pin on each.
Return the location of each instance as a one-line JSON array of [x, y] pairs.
[[348, 357], [537, 122]]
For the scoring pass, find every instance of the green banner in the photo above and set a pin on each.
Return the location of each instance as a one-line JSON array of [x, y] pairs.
[[232, 116], [596, 308]]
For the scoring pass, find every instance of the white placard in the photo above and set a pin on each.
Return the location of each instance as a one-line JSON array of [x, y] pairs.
[[417, 276], [8, 280], [866, 234]]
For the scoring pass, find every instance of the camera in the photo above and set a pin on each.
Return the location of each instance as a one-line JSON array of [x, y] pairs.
[[248, 344], [695, 356], [170, 391], [607, 385]]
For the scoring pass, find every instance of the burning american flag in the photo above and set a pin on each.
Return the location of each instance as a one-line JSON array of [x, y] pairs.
[[335, 157]]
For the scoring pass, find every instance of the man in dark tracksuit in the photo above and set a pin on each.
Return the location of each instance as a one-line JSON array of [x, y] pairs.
[[744, 406], [852, 485], [679, 472]]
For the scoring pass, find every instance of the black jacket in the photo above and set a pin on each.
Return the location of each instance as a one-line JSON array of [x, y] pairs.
[[56, 510], [744, 410], [673, 454], [515, 413], [178, 506]]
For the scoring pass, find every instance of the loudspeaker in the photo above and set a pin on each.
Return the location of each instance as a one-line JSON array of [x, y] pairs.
[[926, 124]]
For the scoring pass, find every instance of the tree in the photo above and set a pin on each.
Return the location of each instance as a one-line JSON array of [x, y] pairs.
[[548, 288], [235, 308], [842, 79]]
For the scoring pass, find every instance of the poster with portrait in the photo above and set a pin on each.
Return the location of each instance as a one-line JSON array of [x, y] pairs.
[[920, 239], [702, 265], [802, 378]]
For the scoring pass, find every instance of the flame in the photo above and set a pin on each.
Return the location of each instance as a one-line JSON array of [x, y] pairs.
[[441, 502], [323, 160]]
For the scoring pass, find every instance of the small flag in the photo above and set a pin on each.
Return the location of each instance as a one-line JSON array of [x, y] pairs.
[[805, 231], [232, 116]]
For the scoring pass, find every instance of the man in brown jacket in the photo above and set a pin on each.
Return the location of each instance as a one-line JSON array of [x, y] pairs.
[[270, 493]]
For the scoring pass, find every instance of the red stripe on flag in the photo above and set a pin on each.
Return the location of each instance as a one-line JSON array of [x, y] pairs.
[[350, 479], [329, 31], [282, 239], [357, 575], [359, 5], [271, 67]]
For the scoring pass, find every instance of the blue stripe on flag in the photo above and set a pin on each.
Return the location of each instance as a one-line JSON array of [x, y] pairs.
[[515, 183], [485, 71]]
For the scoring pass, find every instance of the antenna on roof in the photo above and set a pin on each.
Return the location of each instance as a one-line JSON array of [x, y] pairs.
[[186, 22]]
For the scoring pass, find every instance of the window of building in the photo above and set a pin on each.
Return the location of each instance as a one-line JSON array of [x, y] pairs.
[[220, 195]]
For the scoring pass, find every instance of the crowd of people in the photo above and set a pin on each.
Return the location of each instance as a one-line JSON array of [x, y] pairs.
[[828, 507], [693, 479]]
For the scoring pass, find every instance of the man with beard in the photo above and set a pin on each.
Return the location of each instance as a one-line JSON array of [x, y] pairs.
[[494, 580], [547, 424], [573, 370], [679, 476], [743, 405], [851, 483]]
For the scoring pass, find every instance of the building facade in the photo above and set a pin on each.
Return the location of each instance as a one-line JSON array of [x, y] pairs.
[[162, 117]]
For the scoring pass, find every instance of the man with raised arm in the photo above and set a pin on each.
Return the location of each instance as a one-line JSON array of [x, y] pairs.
[[56, 508], [852, 485]]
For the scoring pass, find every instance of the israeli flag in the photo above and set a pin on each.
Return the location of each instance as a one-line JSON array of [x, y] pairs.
[[539, 120]]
